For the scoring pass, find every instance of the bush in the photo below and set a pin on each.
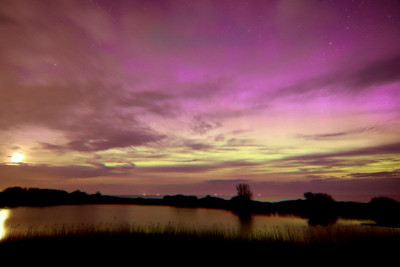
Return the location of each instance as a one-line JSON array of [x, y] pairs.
[[319, 197]]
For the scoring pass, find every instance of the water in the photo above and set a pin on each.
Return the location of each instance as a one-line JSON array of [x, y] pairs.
[[24, 219]]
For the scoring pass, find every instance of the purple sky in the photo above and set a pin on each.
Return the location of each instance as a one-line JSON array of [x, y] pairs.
[[132, 97]]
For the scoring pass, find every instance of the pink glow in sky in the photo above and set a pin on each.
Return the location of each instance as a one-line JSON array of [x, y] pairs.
[[131, 97]]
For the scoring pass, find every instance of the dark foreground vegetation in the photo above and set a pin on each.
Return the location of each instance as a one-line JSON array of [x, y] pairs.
[[176, 245], [319, 208]]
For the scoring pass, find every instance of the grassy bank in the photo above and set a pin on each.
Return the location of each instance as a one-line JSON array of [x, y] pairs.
[[99, 241], [301, 235]]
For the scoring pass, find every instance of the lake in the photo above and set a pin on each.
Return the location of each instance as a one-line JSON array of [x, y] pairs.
[[26, 219]]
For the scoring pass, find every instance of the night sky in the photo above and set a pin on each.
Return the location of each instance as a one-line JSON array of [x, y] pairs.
[[193, 97]]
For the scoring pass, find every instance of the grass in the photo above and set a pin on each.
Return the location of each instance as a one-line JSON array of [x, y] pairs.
[[97, 243], [295, 234]]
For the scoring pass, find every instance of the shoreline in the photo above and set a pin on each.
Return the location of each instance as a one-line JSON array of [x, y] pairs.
[[384, 211]]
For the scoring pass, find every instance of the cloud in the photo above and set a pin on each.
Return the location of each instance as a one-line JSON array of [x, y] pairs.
[[103, 135], [176, 168], [199, 168], [393, 148], [335, 135], [156, 102], [59, 148], [103, 138], [219, 138], [376, 175], [357, 79], [69, 171], [91, 117], [381, 71], [198, 146], [240, 142], [240, 131], [202, 126], [323, 162], [331, 161], [69, 78]]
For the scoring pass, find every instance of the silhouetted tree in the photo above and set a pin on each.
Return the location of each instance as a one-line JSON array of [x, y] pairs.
[[385, 211], [319, 197], [320, 208], [243, 191], [384, 201], [241, 203]]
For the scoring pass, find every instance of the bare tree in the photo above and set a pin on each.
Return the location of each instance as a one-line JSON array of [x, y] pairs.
[[243, 191]]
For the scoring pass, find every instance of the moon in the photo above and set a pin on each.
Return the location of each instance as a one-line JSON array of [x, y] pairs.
[[17, 157]]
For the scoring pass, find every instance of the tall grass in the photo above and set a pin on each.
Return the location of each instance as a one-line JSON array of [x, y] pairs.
[[297, 234]]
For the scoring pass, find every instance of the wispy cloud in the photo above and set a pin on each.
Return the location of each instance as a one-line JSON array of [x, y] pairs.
[[200, 167], [335, 135], [193, 145], [91, 170], [202, 126], [100, 136], [385, 149], [377, 175], [343, 81], [334, 162], [381, 71]]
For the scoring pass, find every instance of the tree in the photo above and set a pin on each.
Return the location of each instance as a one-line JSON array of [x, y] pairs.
[[320, 208], [318, 197], [241, 204], [385, 211], [243, 191]]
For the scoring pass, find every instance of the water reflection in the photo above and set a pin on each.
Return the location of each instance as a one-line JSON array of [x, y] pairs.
[[245, 225], [3, 217], [23, 219]]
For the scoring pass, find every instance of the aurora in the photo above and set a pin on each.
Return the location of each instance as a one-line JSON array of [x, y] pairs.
[[163, 97]]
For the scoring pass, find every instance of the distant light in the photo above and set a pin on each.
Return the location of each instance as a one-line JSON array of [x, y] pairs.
[[17, 157], [3, 217]]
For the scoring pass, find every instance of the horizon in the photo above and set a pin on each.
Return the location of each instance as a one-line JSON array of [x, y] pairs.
[[177, 97], [268, 198], [362, 198]]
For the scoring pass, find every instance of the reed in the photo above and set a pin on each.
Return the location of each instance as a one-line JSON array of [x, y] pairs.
[[160, 243], [304, 235]]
